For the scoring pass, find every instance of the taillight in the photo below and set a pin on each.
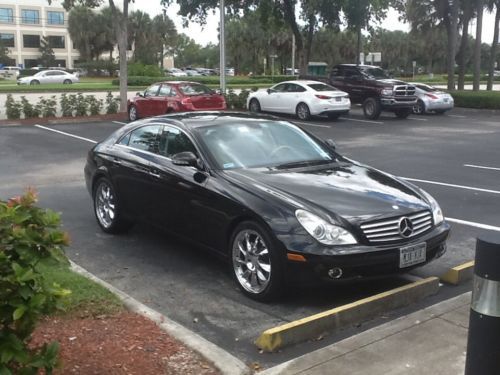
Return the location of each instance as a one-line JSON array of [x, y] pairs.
[[431, 96], [323, 97], [187, 103]]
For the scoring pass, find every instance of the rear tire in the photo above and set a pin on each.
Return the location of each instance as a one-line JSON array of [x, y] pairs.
[[303, 112], [372, 108], [34, 82], [256, 262], [254, 106], [67, 82], [403, 112], [107, 208], [132, 113]]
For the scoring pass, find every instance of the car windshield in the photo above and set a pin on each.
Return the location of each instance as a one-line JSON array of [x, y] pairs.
[[427, 88], [321, 87], [376, 73], [39, 74], [191, 90], [262, 143]]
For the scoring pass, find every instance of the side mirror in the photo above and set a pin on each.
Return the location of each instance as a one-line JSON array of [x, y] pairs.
[[218, 91], [186, 159], [331, 143], [139, 94], [269, 91]]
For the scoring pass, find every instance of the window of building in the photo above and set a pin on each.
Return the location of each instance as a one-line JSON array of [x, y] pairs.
[[31, 41], [30, 63], [30, 16], [7, 40], [56, 41], [60, 63], [55, 18], [6, 15]]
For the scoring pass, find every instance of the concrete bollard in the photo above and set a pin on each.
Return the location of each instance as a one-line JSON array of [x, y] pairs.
[[483, 344]]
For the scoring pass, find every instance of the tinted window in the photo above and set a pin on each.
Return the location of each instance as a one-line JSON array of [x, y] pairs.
[[30, 16], [31, 41], [173, 141], [145, 138], [124, 141], [56, 41], [55, 18], [336, 72], [165, 90], [6, 15], [152, 90], [426, 88], [292, 87], [351, 72], [374, 73], [193, 89], [322, 87], [281, 87], [7, 40]]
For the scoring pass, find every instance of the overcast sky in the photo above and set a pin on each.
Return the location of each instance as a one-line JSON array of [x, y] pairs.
[[209, 32]]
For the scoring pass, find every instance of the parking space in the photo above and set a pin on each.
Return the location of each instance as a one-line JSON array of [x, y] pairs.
[[193, 287]]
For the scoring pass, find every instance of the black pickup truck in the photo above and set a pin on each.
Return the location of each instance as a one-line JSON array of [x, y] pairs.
[[371, 87]]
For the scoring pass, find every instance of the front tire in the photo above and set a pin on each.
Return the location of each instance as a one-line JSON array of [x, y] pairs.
[[254, 106], [132, 113], [419, 108], [257, 265], [107, 208], [303, 112], [372, 108]]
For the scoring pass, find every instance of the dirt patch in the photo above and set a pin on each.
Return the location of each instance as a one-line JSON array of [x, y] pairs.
[[125, 343]]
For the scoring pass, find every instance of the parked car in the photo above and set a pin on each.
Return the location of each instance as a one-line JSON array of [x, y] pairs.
[[280, 204], [191, 72], [431, 99], [10, 70], [174, 72], [303, 98], [49, 76], [178, 96]]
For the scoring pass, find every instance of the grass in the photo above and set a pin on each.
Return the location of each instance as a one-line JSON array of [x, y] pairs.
[[87, 298]]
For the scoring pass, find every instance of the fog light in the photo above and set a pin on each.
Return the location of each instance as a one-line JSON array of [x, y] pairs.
[[335, 273]]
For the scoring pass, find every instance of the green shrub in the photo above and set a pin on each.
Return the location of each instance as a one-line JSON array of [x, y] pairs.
[[477, 99], [206, 80], [48, 106], [12, 108], [112, 104], [99, 68], [29, 236], [237, 101], [66, 107], [29, 110], [94, 105], [81, 105], [138, 69]]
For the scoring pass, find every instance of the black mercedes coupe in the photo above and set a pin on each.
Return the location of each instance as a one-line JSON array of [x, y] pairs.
[[282, 205]]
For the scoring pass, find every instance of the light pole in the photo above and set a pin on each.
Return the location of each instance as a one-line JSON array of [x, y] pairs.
[[272, 66], [222, 48], [293, 54]]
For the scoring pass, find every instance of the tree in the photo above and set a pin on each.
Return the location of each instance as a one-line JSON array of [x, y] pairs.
[[140, 34], [467, 14], [165, 34], [48, 57], [120, 24], [81, 28], [493, 51], [4, 55], [477, 45]]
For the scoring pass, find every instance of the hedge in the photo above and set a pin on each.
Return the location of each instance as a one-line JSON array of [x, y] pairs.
[[477, 99], [207, 80]]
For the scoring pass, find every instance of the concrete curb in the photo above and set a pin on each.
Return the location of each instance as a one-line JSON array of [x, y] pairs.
[[459, 274], [311, 327], [224, 361]]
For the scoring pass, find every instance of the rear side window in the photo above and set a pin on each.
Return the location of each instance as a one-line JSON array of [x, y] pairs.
[[152, 90], [321, 87], [145, 138], [192, 89]]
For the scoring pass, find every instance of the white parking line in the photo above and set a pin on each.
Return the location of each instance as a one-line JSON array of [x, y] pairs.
[[481, 167], [457, 116], [473, 224], [358, 120], [417, 119], [120, 122], [67, 134], [309, 124], [453, 185]]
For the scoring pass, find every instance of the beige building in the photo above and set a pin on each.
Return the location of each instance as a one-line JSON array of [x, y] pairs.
[[24, 23]]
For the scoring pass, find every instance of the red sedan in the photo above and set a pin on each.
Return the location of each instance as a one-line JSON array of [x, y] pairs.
[[167, 97]]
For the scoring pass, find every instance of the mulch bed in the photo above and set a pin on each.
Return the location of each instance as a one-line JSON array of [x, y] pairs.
[[124, 343]]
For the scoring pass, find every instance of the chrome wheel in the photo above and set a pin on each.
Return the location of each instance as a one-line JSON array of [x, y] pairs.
[[132, 113], [254, 106], [303, 112], [105, 205], [419, 108], [251, 261]]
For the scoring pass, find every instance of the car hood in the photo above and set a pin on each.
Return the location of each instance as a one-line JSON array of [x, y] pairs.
[[352, 191], [391, 82]]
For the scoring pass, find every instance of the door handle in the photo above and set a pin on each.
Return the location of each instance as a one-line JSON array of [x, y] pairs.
[[154, 173], [117, 161]]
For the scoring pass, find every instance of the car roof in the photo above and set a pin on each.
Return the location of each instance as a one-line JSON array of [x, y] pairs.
[[359, 66], [177, 82], [303, 82]]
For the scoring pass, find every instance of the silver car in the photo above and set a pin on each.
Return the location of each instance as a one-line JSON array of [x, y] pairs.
[[431, 99], [49, 76]]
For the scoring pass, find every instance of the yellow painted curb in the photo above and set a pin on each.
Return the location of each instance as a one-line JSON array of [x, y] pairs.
[[459, 274], [364, 309]]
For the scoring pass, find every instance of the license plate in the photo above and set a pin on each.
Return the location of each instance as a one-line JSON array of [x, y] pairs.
[[445, 100], [338, 99], [411, 255]]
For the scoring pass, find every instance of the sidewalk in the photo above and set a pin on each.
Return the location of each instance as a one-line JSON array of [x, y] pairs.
[[429, 341]]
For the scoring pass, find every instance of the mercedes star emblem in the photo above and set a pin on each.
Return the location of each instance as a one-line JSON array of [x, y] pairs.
[[405, 227]]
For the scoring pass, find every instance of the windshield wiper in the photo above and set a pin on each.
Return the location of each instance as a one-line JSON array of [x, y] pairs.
[[303, 163]]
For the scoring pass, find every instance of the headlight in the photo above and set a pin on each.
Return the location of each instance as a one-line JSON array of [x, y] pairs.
[[324, 232], [437, 214], [386, 92]]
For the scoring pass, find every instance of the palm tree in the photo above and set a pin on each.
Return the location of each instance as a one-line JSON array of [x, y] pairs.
[[468, 9], [165, 35], [477, 46], [81, 22], [491, 4]]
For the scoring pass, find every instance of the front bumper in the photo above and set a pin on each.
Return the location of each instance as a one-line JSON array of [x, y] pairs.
[[439, 105], [395, 103], [365, 261]]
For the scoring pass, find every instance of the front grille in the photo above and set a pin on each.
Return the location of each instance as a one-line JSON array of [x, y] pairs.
[[387, 230], [404, 90]]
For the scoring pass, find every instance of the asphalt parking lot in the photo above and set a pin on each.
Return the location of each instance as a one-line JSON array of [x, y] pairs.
[[455, 157]]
